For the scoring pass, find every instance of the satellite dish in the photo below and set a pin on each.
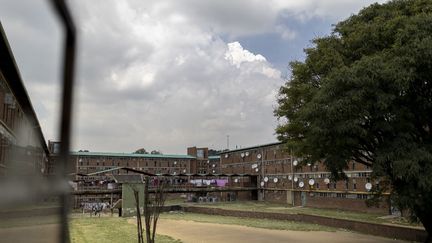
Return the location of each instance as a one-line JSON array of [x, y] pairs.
[[295, 163], [311, 182], [80, 160], [275, 180], [262, 183], [301, 184], [213, 171], [175, 162], [236, 180], [174, 173], [309, 164], [208, 161], [259, 156], [289, 177], [326, 180], [256, 169], [184, 171], [368, 186], [247, 154], [226, 155], [213, 165], [242, 155], [295, 178], [266, 179]]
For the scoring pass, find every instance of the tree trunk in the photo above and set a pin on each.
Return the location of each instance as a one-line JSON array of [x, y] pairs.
[[147, 213], [426, 219]]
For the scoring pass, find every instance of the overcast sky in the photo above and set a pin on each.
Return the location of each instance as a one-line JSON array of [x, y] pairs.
[[168, 74]]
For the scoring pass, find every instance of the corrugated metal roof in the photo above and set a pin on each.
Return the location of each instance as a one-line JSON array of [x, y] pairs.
[[109, 154], [252, 147]]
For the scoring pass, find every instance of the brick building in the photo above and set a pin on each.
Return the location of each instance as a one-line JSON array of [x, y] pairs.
[[23, 150], [281, 178]]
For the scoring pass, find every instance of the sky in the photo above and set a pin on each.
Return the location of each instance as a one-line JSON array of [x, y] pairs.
[[167, 75]]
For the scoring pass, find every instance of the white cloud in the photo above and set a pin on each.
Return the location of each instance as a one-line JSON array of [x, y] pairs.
[[158, 74], [237, 55]]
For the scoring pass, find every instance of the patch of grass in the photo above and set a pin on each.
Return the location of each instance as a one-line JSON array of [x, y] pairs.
[[107, 230], [284, 208], [257, 223]]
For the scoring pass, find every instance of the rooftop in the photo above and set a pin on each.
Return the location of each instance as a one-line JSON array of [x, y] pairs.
[[252, 147], [110, 154]]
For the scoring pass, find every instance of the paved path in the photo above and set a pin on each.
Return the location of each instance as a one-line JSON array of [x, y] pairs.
[[196, 232]]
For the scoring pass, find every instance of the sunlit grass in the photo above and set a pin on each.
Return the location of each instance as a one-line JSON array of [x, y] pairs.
[[257, 223], [284, 208]]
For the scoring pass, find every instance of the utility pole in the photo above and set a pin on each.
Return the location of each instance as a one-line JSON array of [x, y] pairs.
[[228, 142]]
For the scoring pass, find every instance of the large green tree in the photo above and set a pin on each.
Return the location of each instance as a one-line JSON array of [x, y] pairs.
[[364, 94]]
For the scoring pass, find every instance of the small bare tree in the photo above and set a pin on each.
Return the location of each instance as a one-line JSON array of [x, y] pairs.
[[138, 214], [153, 206]]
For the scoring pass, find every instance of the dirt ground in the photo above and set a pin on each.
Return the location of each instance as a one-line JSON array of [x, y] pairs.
[[196, 232]]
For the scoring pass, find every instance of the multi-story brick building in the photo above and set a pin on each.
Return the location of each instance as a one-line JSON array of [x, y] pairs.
[[23, 149], [85, 167], [282, 178]]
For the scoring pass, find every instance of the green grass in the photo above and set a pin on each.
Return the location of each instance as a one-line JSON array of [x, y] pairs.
[[284, 208], [257, 223], [107, 230]]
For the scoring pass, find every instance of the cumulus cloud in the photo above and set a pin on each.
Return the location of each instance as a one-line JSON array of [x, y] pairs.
[[161, 74]]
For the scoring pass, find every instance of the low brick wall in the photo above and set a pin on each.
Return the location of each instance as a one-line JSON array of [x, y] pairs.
[[390, 231]]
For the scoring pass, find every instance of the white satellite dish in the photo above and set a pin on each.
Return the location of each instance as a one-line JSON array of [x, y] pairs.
[[254, 166], [256, 169], [247, 153], [174, 173], [259, 156], [301, 184], [368, 186], [309, 164], [175, 162], [80, 160], [295, 178], [184, 171], [213, 171], [266, 179], [213, 165], [289, 177], [311, 182], [275, 180], [242, 155], [262, 183], [326, 180], [235, 180], [226, 155], [295, 163], [208, 161]]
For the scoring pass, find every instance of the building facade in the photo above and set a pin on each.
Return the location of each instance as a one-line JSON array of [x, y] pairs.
[[282, 178], [23, 150]]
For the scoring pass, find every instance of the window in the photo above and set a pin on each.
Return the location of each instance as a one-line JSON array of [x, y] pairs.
[[353, 165]]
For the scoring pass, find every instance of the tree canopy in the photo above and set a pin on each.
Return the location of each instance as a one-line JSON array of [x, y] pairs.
[[364, 94], [141, 151]]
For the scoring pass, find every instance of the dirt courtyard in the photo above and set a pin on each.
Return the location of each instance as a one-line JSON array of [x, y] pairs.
[[196, 232]]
